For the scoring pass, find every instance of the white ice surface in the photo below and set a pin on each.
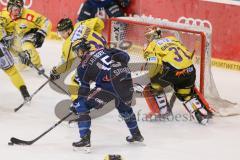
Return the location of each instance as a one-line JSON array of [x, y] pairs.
[[169, 140]]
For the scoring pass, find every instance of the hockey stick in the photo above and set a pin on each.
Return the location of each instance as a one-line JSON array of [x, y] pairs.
[[52, 81], [16, 109], [17, 141], [32, 65], [172, 100]]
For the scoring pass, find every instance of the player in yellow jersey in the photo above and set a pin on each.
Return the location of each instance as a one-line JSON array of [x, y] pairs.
[[90, 29], [29, 29], [170, 62], [6, 59]]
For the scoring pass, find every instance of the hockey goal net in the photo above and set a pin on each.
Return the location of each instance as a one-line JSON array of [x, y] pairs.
[[127, 33]]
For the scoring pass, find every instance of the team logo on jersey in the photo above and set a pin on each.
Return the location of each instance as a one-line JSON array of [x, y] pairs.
[[29, 17], [152, 59], [23, 26]]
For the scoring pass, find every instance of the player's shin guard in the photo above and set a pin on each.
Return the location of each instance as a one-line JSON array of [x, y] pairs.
[[157, 104], [84, 123]]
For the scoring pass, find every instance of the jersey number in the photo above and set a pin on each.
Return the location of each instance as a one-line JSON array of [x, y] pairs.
[[106, 63], [179, 53], [101, 39]]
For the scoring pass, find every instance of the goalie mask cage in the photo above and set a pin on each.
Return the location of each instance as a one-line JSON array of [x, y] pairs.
[[127, 33]]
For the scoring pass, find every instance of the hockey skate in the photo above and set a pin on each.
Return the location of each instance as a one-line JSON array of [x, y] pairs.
[[135, 137], [27, 98], [84, 144]]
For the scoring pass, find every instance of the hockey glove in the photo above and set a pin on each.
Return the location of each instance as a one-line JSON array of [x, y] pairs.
[[7, 41], [39, 38], [54, 75], [79, 106], [25, 58], [73, 107], [124, 3]]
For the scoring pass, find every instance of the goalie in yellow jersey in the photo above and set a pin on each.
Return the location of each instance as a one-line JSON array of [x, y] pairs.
[[170, 62], [91, 30], [29, 29]]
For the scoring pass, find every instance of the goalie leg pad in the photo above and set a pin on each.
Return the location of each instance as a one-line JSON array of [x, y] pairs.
[[157, 104], [197, 110], [210, 109]]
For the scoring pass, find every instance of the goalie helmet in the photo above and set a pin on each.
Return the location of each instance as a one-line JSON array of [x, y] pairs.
[[64, 24], [80, 46], [153, 32]]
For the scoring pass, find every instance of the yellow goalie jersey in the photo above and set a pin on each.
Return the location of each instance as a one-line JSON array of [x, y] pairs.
[[29, 19], [90, 29], [168, 50]]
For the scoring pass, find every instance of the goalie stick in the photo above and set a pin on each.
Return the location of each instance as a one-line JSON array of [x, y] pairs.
[[17, 141], [21, 105]]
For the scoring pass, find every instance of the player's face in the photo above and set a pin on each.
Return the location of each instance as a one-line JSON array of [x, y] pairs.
[[80, 53], [15, 12], [65, 33]]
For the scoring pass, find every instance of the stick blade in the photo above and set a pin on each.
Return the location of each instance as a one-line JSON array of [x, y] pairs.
[[20, 142]]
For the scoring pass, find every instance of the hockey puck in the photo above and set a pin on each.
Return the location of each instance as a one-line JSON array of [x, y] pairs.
[[10, 143]]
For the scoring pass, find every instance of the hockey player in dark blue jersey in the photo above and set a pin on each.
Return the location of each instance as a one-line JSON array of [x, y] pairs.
[[109, 69], [111, 7]]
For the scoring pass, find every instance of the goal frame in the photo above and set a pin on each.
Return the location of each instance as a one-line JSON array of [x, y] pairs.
[[201, 33]]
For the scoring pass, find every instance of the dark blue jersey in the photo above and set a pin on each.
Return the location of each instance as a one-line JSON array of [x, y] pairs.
[[103, 67]]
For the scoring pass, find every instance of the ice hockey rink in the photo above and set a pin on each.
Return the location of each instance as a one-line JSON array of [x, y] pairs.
[[177, 138]]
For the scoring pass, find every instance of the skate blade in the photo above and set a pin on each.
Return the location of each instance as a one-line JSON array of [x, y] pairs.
[[83, 149]]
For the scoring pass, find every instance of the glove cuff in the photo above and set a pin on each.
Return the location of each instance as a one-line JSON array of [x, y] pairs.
[[42, 32]]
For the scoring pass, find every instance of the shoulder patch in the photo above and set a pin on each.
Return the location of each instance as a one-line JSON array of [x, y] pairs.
[[152, 59]]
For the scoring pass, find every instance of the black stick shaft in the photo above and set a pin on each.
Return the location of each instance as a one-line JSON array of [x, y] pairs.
[[55, 125], [19, 107], [22, 142]]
